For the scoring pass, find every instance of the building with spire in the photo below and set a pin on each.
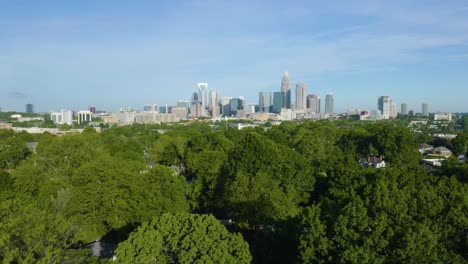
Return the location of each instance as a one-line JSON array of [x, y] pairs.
[[286, 90]]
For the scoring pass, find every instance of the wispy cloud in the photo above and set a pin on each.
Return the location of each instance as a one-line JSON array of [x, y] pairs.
[[17, 95]]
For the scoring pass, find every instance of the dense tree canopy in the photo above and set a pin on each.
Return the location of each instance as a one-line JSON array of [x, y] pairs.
[[292, 193], [183, 238]]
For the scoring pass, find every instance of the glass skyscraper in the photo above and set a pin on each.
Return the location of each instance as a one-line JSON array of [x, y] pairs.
[[264, 101], [277, 102], [329, 103]]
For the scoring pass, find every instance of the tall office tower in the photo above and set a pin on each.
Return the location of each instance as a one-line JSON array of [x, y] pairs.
[[236, 104], [277, 102], [404, 109], [195, 97], [319, 107], [203, 88], [92, 109], [213, 99], [286, 90], [425, 109], [329, 103], [301, 96], [264, 102], [213, 104], [313, 102], [383, 104], [196, 109], [393, 111], [29, 108], [225, 105]]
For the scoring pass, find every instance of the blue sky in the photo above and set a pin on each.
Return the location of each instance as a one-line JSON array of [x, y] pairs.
[[70, 54]]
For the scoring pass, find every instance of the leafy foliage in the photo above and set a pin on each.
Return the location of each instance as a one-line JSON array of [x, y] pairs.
[[183, 238]]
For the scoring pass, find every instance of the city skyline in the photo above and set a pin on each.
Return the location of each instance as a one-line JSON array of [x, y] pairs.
[[110, 54]]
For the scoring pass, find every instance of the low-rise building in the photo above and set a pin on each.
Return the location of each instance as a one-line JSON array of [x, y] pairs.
[[441, 151], [443, 116], [373, 161]]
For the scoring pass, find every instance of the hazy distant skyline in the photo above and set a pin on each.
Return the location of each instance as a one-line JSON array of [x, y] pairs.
[[71, 54]]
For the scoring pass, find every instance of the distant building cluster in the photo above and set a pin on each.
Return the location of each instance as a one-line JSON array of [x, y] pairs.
[[386, 109], [274, 106]]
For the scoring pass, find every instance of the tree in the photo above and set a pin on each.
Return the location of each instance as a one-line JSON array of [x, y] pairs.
[[258, 199], [110, 193], [314, 243], [183, 238], [30, 234]]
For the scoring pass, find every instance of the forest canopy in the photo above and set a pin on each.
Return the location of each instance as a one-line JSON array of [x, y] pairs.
[[292, 193]]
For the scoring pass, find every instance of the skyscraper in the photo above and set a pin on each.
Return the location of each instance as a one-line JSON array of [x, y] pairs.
[[225, 103], [184, 104], [301, 96], [425, 109], [386, 107], [213, 100], [92, 109], [213, 104], [286, 90], [383, 105], [264, 101], [277, 102], [203, 88], [313, 103], [404, 109], [236, 104], [29, 108], [195, 97], [329, 103]]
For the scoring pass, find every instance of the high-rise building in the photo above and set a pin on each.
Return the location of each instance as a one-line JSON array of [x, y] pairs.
[[213, 104], [183, 104], [393, 110], [196, 109], [404, 109], [329, 103], [29, 108], [286, 90], [277, 102], [92, 109], [383, 104], [236, 104], [313, 103], [225, 105], [301, 96], [386, 107], [179, 112], [203, 88], [195, 97], [264, 102], [425, 109]]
